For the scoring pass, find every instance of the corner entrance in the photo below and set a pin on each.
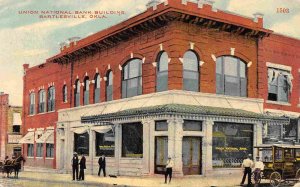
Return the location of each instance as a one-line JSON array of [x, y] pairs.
[[191, 155], [161, 154]]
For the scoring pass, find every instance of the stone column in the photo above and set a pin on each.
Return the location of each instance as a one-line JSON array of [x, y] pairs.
[[118, 147], [207, 148], [175, 134], [146, 146], [258, 136], [91, 149]]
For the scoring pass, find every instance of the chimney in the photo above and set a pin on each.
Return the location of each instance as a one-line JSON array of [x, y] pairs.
[[258, 18], [63, 46], [25, 66], [73, 41], [210, 3], [152, 3]]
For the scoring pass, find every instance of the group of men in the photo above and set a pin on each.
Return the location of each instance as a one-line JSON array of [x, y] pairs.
[[82, 166], [248, 164]]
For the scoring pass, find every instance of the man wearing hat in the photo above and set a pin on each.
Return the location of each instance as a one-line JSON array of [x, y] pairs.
[[258, 168], [247, 165], [74, 164], [169, 167]]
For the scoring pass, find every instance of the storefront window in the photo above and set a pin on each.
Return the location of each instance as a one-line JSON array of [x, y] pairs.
[[105, 144], [49, 150], [39, 150], [161, 126], [190, 125], [132, 140], [232, 142], [81, 143], [30, 150]]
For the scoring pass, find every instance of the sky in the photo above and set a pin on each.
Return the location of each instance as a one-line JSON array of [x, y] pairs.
[[26, 38]]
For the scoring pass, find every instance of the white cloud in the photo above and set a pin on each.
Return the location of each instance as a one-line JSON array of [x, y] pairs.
[[288, 27]]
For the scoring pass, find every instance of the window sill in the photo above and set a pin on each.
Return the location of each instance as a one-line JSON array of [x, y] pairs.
[[46, 113], [278, 103], [38, 157], [31, 157], [49, 158]]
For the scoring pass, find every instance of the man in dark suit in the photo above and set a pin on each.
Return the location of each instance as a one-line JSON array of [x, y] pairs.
[[82, 167], [102, 165], [75, 161]]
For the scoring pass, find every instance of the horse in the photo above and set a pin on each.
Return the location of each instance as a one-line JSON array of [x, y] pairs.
[[8, 167], [17, 165]]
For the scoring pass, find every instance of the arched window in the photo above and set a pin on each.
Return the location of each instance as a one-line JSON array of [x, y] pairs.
[[65, 93], [132, 78], [231, 76], [77, 93], [51, 98], [162, 72], [190, 71], [31, 104], [42, 101], [86, 91], [109, 86], [97, 89]]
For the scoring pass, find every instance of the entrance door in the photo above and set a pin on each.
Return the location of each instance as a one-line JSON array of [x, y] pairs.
[[161, 153], [191, 155]]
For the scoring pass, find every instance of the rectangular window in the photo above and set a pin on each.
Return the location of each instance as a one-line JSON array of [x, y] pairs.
[[17, 151], [132, 140], [49, 150], [16, 128], [279, 83], [232, 142], [161, 125], [39, 150], [105, 144], [81, 143], [32, 104], [30, 150], [190, 125]]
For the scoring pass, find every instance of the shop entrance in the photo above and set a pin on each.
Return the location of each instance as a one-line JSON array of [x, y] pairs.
[[161, 153], [191, 155]]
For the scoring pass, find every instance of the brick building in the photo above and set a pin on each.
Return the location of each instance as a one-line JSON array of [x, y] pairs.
[[279, 84], [10, 125], [180, 80]]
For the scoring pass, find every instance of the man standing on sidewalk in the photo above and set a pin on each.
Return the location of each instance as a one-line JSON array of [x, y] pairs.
[[75, 166], [102, 165], [169, 167], [247, 165], [82, 167]]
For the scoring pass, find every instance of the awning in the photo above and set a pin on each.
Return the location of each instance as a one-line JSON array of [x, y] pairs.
[[17, 119], [47, 137], [80, 130], [102, 129], [28, 138]]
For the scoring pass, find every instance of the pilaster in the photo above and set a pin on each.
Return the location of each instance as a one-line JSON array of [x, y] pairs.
[[207, 148], [146, 145]]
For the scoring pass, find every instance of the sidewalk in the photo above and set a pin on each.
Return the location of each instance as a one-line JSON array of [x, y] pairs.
[[145, 181]]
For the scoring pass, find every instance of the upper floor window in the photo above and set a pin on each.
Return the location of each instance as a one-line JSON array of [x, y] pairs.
[[97, 89], [51, 98], [77, 93], [162, 72], [132, 78], [190, 71], [109, 86], [279, 84], [86, 91], [65, 94], [231, 76], [31, 104], [42, 101]]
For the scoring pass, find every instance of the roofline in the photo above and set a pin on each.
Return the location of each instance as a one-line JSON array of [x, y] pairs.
[[205, 12]]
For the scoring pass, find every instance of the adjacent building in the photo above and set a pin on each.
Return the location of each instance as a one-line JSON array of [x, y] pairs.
[[181, 79], [11, 128]]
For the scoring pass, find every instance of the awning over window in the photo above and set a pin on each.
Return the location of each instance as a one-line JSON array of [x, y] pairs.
[[28, 138], [80, 130], [17, 119], [47, 137], [102, 129]]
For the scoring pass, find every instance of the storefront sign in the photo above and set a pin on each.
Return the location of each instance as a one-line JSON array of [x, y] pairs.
[[14, 138]]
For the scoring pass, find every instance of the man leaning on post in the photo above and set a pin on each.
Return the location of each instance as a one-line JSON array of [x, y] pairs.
[[247, 165]]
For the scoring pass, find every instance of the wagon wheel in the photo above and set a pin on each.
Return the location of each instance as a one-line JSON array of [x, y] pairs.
[[253, 179], [275, 178], [297, 176]]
